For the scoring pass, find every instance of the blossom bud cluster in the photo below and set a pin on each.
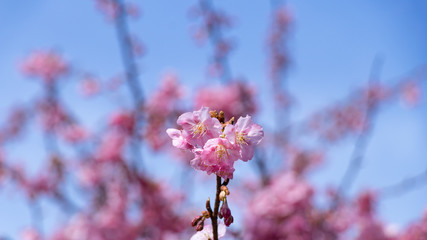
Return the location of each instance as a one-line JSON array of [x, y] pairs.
[[216, 145], [199, 221], [224, 211]]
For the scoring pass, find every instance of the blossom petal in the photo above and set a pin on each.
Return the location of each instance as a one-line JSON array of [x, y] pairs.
[[255, 134], [186, 120], [243, 123]]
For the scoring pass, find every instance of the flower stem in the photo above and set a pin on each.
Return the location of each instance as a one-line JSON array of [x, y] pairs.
[[214, 216]]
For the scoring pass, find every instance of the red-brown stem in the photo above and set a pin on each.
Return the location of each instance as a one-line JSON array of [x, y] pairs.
[[214, 216]]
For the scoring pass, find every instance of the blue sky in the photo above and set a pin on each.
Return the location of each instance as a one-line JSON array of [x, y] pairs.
[[332, 48]]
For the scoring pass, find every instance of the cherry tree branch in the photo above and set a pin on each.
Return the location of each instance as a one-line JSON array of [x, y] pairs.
[[132, 78], [36, 215], [215, 36], [357, 156], [214, 214], [405, 185]]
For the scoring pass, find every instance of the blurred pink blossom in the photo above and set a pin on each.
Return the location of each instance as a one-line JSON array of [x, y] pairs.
[[235, 99], [47, 65]]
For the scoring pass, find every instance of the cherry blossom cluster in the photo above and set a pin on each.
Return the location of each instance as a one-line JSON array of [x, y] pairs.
[[47, 65], [275, 215], [110, 9], [216, 144], [161, 109], [350, 117], [119, 195]]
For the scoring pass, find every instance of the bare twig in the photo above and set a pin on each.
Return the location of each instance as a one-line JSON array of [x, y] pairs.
[[261, 167], [359, 149], [404, 185], [132, 78], [36, 215], [215, 36]]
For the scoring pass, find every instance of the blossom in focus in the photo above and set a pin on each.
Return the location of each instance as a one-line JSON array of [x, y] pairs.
[[225, 212], [46, 65], [200, 126], [178, 139], [207, 233], [216, 149], [218, 156], [246, 134]]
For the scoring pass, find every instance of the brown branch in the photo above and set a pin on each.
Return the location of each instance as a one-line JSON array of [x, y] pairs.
[[225, 183], [208, 207], [214, 216]]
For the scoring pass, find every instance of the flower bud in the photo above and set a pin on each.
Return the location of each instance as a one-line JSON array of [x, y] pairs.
[[200, 226], [196, 220], [206, 214], [228, 221], [222, 195], [224, 211], [225, 190]]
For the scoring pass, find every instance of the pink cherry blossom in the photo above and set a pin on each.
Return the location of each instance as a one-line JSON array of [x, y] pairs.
[[235, 99], [31, 234], [218, 156], [89, 86], [411, 93], [199, 126], [417, 230], [161, 109], [246, 135], [111, 147], [179, 140], [207, 233], [46, 65], [365, 204], [74, 133], [280, 211], [123, 120], [373, 230]]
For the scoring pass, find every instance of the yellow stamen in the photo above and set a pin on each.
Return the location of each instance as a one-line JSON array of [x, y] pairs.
[[241, 138], [221, 152], [199, 129]]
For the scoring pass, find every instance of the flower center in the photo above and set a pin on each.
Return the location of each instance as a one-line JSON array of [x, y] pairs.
[[241, 138], [199, 129], [221, 152]]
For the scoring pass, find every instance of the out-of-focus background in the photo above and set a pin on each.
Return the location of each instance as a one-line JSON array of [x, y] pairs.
[[331, 46]]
